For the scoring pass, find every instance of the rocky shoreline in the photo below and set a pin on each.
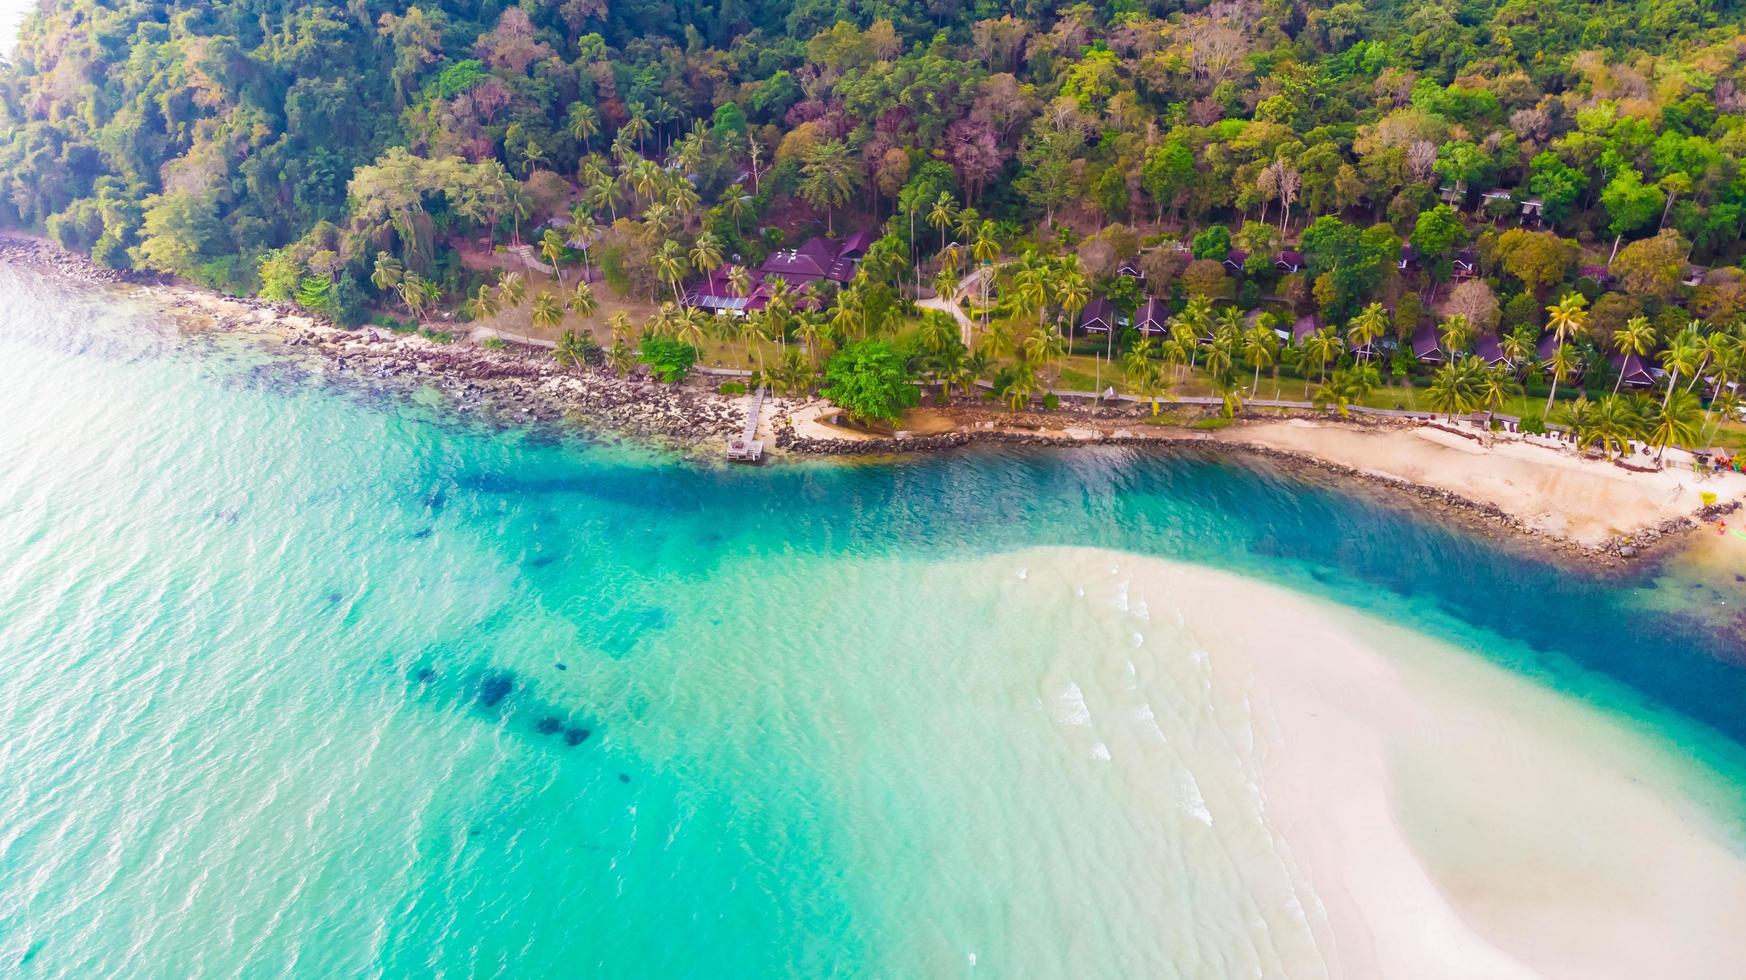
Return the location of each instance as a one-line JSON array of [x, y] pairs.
[[518, 387]]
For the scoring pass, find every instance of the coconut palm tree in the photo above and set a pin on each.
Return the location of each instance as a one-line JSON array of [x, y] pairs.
[[1678, 420], [621, 357], [1496, 387], [547, 314], [1615, 424], [997, 340], [942, 215], [670, 266], [1152, 385], [1560, 366], [482, 305], [637, 126], [736, 202], [511, 288], [582, 301], [1456, 334], [1635, 337], [1681, 356], [1517, 347], [1219, 355], [690, 324], [552, 249], [740, 280], [1577, 418], [414, 294], [387, 273], [1321, 347], [937, 332], [570, 351], [1457, 387], [1072, 292], [811, 332], [1230, 393], [1349, 386], [1021, 386], [1137, 362], [620, 325], [1566, 317], [1260, 349], [946, 282], [1370, 323], [706, 253], [584, 122]]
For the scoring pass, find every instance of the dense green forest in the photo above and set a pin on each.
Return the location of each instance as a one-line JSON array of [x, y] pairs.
[[338, 152]]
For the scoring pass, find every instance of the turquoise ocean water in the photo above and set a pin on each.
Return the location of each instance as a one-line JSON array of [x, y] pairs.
[[297, 678]]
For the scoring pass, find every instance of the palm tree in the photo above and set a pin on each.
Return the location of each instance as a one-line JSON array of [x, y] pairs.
[[1680, 356], [1457, 332], [582, 301], [1021, 386], [1456, 388], [1615, 424], [570, 350], [1260, 347], [1566, 317], [1578, 420], [637, 126], [984, 249], [1072, 292], [1137, 362], [1366, 327], [736, 202], [670, 265], [413, 293], [584, 122], [552, 248], [811, 332], [1152, 385], [1230, 393], [1677, 420], [481, 305], [547, 314], [1320, 347], [620, 325], [1517, 347], [1219, 355], [938, 332], [706, 253], [997, 340], [1635, 337], [828, 178], [691, 323], [740, 280], [1496, 387], [621, 357], [511, 288], [387, 273], [946, 282], [1561, 364], [1349, 386], [942, 215]]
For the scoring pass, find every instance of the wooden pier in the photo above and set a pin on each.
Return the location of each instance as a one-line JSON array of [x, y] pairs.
[[748, 448]]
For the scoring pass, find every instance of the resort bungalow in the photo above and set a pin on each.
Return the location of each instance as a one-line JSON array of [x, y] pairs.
[[1099, 316], [1634, 372], [1409, 259], [818, 258], [1490, 198], [1153, 317], [1465, 264], [1598, 273], [1694, 275], [1488, 350], [1303, 326], [1427, 346], [1234, 260], [716, 293], [1288, 261], [1532, 209]]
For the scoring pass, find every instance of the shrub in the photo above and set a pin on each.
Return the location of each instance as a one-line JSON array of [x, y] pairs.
[[493, 343], [668, 359], [1051, 402], [1532, 423], [731, 388]]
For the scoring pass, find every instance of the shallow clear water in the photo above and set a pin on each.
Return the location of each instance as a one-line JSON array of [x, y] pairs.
[[302, 678]]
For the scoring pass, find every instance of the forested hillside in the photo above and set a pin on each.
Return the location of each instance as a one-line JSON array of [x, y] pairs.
[[252, 144]]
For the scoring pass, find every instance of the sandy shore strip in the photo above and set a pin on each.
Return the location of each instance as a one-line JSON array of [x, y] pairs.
[[1435, 815], [1555, 491]]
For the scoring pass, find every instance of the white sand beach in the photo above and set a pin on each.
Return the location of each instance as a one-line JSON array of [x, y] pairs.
[[1434, 815], [1552, 490]]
